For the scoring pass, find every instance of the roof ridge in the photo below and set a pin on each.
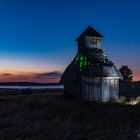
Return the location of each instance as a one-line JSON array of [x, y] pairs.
[[89, 31]]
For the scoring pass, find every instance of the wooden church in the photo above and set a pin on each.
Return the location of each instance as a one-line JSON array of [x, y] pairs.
[[91, 75]]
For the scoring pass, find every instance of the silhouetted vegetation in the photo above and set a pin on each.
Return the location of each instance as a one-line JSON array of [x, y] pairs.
[[26, 84], [127, 74]]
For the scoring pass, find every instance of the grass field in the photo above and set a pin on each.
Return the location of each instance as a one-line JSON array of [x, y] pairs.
[[41, 115]]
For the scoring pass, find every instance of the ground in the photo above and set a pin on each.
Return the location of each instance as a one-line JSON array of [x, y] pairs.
[[42, 116]]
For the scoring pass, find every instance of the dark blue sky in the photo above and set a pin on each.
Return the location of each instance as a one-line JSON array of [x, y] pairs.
[[38, 36]]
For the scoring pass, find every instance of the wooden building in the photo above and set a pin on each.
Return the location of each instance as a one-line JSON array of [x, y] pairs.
[[91, 75]]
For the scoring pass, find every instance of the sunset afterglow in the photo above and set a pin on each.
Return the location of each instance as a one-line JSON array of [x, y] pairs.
[[37, 38]]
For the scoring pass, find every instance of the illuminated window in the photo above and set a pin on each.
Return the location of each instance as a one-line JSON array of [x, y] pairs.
[[93, 42]]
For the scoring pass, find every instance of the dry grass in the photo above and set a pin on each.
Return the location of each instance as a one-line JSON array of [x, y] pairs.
[[45, 117], [129, 101]]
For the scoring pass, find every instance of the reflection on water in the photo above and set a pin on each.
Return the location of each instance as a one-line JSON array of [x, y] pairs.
[[33, 87]]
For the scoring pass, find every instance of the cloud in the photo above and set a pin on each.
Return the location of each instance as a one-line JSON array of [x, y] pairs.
[[17, 78], [47, 77], [6, 74], [53, 74]]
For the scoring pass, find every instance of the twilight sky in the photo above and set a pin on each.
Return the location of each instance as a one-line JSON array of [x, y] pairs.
[[37, 37]]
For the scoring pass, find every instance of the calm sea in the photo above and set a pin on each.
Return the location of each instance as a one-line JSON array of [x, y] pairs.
[[33, 87]]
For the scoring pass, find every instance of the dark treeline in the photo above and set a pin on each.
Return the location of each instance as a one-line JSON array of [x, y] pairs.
[[130, 88], [26, 84]]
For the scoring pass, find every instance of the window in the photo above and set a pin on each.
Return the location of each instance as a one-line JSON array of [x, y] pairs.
[[93, 42]]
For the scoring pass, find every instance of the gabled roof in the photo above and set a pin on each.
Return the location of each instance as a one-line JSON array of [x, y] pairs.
[[89, 32]]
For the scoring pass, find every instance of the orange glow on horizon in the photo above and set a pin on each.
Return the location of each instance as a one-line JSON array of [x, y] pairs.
[[33, 77], [136, 78], [29, 77], [19, 67]]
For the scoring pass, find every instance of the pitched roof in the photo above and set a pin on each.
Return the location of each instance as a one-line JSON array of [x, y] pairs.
[[89, 32]]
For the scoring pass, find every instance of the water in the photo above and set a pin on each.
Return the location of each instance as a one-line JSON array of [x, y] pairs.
[[33, 87]]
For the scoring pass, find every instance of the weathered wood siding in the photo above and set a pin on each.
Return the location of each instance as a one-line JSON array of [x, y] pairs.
[[105, 90], [90, 88], [114, 89], [99, 89]]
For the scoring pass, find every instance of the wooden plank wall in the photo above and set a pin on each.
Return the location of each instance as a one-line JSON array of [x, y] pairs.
[[100, 89]]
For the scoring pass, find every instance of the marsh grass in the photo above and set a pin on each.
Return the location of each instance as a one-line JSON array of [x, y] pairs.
[[45, 117], [129, 100]]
